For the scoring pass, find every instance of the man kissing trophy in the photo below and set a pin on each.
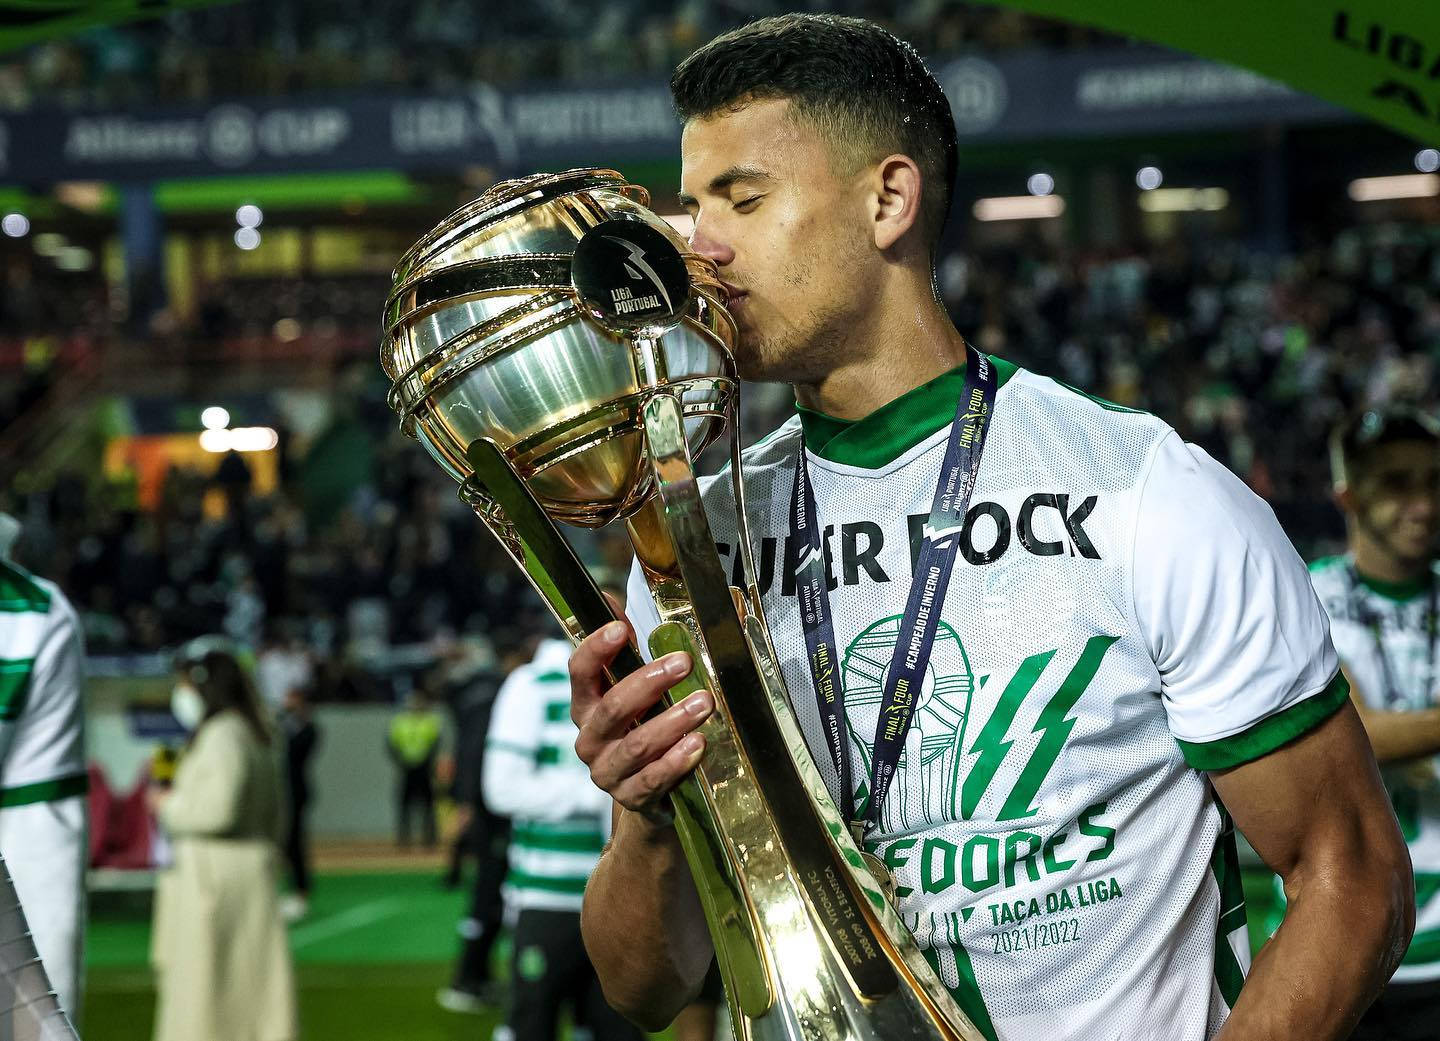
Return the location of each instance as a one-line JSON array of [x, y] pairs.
[[561, 352]]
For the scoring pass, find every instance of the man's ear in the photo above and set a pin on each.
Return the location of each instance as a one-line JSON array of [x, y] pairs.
[[896, 199]]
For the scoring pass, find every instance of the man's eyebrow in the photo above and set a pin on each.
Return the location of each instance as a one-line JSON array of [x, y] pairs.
[[725, 179]]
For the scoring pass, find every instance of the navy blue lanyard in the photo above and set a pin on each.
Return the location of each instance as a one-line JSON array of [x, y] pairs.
[[928, 585]]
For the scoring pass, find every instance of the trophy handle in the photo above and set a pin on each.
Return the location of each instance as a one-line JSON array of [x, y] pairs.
[[546, 558]]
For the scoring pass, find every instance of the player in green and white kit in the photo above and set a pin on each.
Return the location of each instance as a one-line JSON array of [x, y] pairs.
[[559, 823], [43, 783], [1127, 639], [1381, 597]]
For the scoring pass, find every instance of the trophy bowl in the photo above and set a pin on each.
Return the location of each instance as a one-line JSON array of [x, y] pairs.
[[486, 335]]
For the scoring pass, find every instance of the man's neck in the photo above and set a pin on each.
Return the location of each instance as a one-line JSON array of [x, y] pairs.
[[1374, 560], [890, 361]]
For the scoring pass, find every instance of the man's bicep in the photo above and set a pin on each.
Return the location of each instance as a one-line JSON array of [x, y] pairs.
[[1319, 792]]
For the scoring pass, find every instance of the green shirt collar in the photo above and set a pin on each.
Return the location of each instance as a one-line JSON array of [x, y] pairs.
[[1407, 590], [895, 427]]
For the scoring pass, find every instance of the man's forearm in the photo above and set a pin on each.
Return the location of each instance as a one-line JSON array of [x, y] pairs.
[[643, 925], [1342, 936]]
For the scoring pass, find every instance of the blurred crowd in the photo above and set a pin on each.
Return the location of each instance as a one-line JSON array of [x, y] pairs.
[[275, 47], [402, 563], [1253, 356]]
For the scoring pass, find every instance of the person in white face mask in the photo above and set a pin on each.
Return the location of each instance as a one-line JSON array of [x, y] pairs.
[[223, 968], [43, 806]]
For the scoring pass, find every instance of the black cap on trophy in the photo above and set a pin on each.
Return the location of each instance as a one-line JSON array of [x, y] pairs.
[[630, 276]]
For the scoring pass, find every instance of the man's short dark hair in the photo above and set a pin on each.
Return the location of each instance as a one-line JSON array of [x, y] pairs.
[[864, 89], [1355, 441]]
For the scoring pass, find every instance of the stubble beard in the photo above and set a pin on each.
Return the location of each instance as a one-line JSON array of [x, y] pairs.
[[802, 353], [800, 350]]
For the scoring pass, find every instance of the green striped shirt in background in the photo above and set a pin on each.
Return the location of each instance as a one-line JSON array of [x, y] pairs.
[[533, 775]]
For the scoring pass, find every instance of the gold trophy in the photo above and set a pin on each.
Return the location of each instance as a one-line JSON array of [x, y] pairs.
[[561, 352]]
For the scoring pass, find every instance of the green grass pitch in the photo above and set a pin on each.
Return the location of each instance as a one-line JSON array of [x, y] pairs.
[[369, 959]]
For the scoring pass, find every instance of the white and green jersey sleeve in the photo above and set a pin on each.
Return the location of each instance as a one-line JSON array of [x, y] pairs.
[[560, 820], [1123, 615], [1383, 633], [42, 745]]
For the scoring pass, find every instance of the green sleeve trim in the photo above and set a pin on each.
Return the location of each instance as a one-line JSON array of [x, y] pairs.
[[1268, 734], [45, 791]]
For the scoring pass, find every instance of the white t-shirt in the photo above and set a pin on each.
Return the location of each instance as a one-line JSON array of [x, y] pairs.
[[1382, 634], [42, 654], [532, 774], [1123, 615]]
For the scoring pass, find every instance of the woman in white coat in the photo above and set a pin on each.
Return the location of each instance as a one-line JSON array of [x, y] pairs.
[[218, 945]]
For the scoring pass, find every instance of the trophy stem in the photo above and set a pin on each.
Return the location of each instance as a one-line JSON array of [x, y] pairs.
[[840, 962], [727, 656], [754, 620]]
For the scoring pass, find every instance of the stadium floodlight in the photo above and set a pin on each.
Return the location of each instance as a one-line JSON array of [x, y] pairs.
[[247, 238], [240, 439], [16, 225], [215, 440], [215, 418], [249, 216], [1148, 178], [1018, 207], [1040, 184], [1427, 160], [1404, 186], [1184, 200], [253, 439]]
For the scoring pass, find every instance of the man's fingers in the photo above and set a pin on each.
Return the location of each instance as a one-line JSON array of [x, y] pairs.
[[614, 712], [644, 791], [651, 740], [588, 663]]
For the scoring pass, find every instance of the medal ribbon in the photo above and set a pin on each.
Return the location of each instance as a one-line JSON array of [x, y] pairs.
[[928, 586]]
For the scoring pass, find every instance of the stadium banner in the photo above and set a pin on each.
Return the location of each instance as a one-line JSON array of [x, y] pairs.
[[23, 22], [1111, 92], [1380, 58]]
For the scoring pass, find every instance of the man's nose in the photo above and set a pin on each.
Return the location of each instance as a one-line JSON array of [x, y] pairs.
[[707, 243]]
